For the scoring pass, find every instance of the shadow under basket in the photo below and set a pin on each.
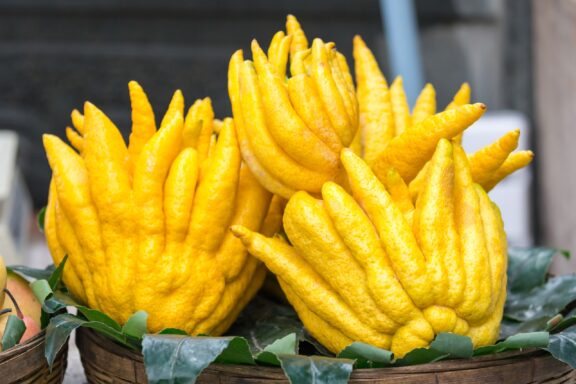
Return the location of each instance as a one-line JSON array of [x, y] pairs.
[[25, 363], [107, 362]]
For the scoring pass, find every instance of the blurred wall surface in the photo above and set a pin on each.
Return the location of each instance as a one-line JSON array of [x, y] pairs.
[[56, 54], [555, 93]]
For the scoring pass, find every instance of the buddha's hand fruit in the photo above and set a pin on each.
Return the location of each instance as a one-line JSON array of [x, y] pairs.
[[394, 137], [145, 226], [373, 267], [291, 129]]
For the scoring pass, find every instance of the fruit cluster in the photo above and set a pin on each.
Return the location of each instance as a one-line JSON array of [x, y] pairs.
[[391, 237]]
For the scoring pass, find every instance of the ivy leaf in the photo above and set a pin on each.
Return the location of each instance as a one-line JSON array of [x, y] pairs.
[[135, 326], [527, 268], [367, 356], [40, 218], [178, 359], [13, 332], [563, 346], [316, 369], [543, 301], [518, 341]]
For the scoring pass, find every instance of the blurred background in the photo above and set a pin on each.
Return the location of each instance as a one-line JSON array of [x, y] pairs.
[[517, 55]]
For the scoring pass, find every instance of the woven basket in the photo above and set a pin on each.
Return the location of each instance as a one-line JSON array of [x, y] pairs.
[[106, 362], [25, 363]]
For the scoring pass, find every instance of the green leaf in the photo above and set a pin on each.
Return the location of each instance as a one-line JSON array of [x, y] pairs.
[[316, 369], [367, 356], [563, 346], [56, 276], [57, 333], [444, 346], [565, 323], [519, 341], [510, 327], [60, 327], [41, 289], [172, 331], [264, 321], [288, 345], [454, 345], [421, 356], [40, 218], [100, 317], [237, 352], [178, 359], [544, 301], [136, 324], [32, 272], [13, 332], [527, 268]]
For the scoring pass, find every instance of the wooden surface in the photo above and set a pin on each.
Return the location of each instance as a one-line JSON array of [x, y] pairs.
[[106, 362], [25, 364], [555, 100]]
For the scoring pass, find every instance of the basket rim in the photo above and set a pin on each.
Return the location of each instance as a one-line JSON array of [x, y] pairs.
[[20, 348], [501, 358]]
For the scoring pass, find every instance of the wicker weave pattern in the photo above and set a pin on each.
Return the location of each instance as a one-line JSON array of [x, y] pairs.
[[25, 364], [106, 362]]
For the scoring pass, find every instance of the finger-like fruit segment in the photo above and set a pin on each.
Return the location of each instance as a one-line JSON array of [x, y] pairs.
[[146, 227], [409, 151], [360, 268]]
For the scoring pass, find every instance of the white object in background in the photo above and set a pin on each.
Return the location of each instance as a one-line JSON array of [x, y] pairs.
[[15, 203], [512, 194]]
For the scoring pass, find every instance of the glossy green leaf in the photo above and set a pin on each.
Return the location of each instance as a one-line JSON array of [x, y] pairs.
[[527, 268], [172, 331], [367, 356], [35, 273], [519, 341], [41, 289], [264, 321], [288, 345], [100, 317], [564, 324], [178, 359], [40, 218], [544, 301], [563, 346], [421, 356], [454, 345], [60, 327], [237, 352], [136, 324], [56, 276], [316, 369], [13, 332]]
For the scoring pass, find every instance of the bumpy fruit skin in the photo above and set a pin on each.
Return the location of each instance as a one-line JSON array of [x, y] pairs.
[[145, 226], [292, 128], [371, 266], [392, 137]]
